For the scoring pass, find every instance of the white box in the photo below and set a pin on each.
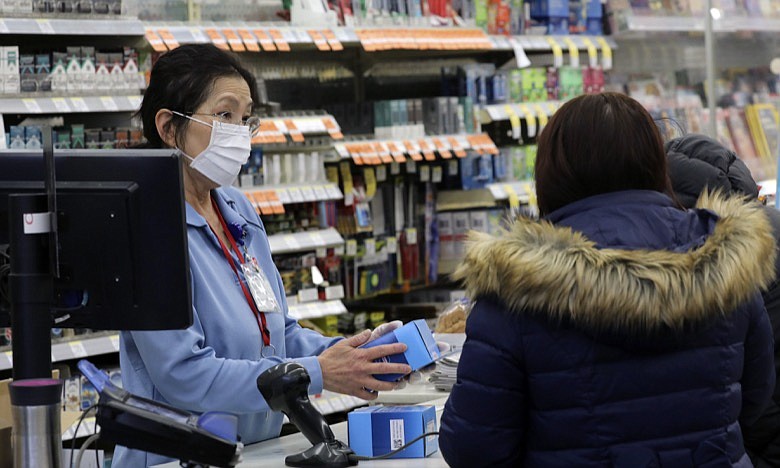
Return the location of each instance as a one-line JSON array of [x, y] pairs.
[[446, 240], [460, 228], [478, 221], [11, 69]]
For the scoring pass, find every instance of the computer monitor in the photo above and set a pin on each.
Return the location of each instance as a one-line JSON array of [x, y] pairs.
[[122, 238]]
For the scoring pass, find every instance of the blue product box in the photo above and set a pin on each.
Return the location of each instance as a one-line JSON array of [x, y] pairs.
[[476, 171], [549, 9], [377, 430], [421, 347]]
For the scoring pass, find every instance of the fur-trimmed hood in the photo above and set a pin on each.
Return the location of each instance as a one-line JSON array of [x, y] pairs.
[[537, 266]]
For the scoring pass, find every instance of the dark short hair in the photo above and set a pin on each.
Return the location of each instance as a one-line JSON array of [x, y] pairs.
[[181, 80], [595, 144]]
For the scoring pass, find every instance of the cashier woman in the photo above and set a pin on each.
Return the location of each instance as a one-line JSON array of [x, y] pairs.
[[199, 101]]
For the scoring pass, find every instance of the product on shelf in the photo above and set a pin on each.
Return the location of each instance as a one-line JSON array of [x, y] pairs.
[[70, 9], [73, 137]]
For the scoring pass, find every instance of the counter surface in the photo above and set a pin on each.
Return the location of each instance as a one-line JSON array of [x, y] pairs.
[[271, 453]]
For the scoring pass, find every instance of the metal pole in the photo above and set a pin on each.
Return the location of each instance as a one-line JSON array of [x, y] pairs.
[[709, 56]]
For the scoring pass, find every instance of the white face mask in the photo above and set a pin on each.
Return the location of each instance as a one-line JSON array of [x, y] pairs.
[[227, 151]]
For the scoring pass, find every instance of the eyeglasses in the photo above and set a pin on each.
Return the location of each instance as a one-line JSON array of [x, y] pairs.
[[252, 122]]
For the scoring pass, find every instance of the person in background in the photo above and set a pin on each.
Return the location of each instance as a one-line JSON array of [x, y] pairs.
[[696, 163], [199, 102], [620, 330]]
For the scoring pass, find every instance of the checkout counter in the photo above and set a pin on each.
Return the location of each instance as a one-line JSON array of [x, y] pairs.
[[271, 453]]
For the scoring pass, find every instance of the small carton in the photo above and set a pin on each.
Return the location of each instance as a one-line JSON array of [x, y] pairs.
[[421, 347], [378, 430]]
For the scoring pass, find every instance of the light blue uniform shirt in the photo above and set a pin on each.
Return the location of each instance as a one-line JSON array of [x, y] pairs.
[[214, 364]]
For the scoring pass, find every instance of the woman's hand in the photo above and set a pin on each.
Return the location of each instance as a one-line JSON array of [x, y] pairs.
[[349, 370]]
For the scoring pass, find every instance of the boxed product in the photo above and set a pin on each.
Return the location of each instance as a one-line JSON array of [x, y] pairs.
[[421, 347], [378, 430], [10, 57]]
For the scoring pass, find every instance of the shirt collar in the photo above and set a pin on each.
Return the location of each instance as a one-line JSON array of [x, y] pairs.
[[227, 206]]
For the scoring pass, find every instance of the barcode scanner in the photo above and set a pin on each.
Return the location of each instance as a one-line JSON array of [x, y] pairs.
[[285, 388]]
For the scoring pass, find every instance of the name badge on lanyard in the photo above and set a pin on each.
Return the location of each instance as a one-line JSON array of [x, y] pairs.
[[259, 286]]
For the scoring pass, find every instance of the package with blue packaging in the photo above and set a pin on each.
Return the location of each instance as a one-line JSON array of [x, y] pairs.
[[378, 430], [421, 348]]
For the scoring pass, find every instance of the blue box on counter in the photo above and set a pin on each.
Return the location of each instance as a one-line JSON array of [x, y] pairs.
[[377, 430], [421, 348]]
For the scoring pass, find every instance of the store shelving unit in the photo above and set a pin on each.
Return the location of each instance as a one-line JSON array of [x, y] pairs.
[[305, 241], [72, 27], [79, 347], [69, 105]]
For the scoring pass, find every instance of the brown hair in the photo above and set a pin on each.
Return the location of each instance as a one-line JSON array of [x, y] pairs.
[[598, 143]]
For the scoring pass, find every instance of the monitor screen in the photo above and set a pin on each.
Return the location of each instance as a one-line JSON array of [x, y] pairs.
[[122, 237]]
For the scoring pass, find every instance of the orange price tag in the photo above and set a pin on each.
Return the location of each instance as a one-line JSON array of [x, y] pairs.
[[217, 39], [367, 40], [475, 143], [398, 155], [154, 40], [273, 199], [412, 151], [279, 41], [168, 38], [233, 40], [333, 129], [426, 150], [319, 40], [250, 41], [456, 148], [265, 40], [444, 152], [354, 152], [295, 134], [384, 153], [333, 41]]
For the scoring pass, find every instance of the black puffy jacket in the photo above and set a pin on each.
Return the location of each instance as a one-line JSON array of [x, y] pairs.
[[696, 162]]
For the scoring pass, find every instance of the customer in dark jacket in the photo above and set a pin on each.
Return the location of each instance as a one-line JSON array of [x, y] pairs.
[[621, 330], [696, 163]]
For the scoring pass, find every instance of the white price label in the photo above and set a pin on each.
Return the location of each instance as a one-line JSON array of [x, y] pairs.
[[342, 151], [338, 251], [325, 406], [425, 173], [333, 293], [317, 239], [452, 168], [351, 248], [436, 174], [3, 27], [295, 195], [411, 236], [77, 349], [322, 252], [320, 193], [291, 242], [411, 166], [395, 168], [333, 191], [198, 36], [135, 101], [520, 57], [284, 196], [79, 104], [45, 26], [370, 245], [392, 245], [307, 295], [308, 194], [381, 173], [114, 342], [9, 358], [32, 106], [61, 104], [108, 103]]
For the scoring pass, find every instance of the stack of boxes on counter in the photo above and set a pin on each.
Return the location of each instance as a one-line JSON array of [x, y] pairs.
[[76, 71]]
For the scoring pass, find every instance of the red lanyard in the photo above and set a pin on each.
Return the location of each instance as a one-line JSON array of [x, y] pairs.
[[259, 316]]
